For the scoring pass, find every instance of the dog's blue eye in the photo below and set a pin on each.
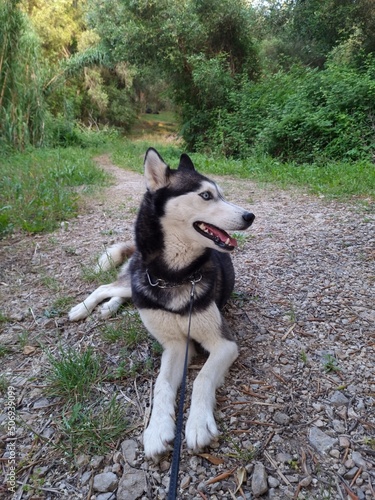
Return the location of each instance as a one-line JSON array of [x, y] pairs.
[[206, 195]]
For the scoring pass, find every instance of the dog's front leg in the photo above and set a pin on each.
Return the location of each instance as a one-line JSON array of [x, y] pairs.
[[120, 291], [161, 429], [201, 426]]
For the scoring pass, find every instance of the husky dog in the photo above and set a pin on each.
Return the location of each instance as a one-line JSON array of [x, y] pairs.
[[181, 246]]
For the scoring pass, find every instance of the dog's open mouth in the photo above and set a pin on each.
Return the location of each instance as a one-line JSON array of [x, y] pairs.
[[217, 235]]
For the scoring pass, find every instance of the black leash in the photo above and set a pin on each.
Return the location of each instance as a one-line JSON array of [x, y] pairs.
[[172, 493]]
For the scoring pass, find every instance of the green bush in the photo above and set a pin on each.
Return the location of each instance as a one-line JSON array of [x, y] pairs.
[[302, 115]]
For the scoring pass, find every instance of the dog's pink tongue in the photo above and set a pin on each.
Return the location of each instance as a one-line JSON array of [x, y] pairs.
[[224, 237]]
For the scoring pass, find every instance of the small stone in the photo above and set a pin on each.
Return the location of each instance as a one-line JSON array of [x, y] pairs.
[[85, 478], [104, 496], [320, 440], [319, 423], [107, 481], [116, 468], [335, 453], [352, 414], [132, 484], [351, 473], [41, 403], [359, 460], [164, 465], [259, 483], [281, 418], [194, 462], [129, 451], [284, 458], [318, 407], [338, 426], [273, 482], [82, 460], [306, 481], [349, 463], [96, 461], [292, 478], [341, 470], [185, 482], [344, 442], [338, 399]]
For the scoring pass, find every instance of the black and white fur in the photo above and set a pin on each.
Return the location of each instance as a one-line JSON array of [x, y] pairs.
[[178, 240]]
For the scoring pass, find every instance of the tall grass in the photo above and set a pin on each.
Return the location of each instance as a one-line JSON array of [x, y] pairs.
[[38, 189], [22, 106]]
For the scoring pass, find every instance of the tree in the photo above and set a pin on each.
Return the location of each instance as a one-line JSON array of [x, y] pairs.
[[199, 47], [318, 26]]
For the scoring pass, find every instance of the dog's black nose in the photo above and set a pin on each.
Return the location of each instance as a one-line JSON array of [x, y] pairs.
[[248, 217]]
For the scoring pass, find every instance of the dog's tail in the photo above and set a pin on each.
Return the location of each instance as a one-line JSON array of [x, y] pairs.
[[115, 256]]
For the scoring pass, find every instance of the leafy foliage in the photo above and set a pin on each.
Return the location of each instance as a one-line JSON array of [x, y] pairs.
[[302, 115], [22, 105], [199, 47]]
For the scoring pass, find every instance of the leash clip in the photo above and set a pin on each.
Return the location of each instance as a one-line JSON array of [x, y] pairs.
[[193, 282]]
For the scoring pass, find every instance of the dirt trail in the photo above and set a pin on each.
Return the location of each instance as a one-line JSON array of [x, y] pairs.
[[297, 412]]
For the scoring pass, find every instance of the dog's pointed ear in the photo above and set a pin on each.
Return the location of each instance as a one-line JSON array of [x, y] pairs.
[[156, 170], [185, 162]]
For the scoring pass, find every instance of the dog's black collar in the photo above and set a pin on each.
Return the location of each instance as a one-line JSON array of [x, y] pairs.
[[193, 279]]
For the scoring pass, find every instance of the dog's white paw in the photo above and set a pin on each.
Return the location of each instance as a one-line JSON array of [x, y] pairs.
[[158, 437], [201, 429], [80, 311], [111, 307]]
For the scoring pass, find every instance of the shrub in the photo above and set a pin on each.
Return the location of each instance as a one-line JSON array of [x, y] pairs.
[[304, 115]]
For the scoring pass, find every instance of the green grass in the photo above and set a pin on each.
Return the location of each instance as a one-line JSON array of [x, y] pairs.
[[330, 364], [92, 430], [60, 306], [334, 180], [128, 329], [39, 188], [4, 350], [73, 374]]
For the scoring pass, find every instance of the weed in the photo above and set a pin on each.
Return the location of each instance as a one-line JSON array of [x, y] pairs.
[[330, 363], [23, 338], [241, 239], [59, 306], [245, 455], [93, 275], [4, 384], [240, 298], [4, 350], [303, 357], [293, 463], [129, 329], [50, 282], [3, 318], [369, 441], [73, 373], [92, 430], [156, 347]]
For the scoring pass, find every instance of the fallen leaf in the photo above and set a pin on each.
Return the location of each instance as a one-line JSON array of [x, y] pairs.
[[241, 477], [211, 458], [29, 349], [220, 477]]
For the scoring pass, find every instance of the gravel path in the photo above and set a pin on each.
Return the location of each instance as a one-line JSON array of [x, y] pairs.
[[297, 410]]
